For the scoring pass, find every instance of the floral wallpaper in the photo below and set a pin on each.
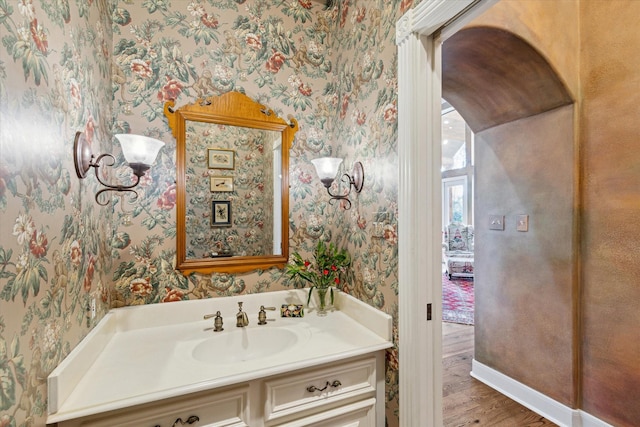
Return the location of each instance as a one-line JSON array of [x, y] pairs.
[[107, 67], [250, 193], [55, 251]]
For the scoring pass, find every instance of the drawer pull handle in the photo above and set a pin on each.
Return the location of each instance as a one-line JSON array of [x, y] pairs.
[[191, 420], [334, 384]]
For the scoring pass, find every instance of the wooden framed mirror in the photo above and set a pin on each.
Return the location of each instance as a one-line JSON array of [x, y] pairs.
[[232, 184]]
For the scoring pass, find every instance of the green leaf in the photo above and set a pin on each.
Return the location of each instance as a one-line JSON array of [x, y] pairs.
[[15, 347], [309, 296], [121, 16]]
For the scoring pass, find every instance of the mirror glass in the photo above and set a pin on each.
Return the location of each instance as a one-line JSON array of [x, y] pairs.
[[232, 184]]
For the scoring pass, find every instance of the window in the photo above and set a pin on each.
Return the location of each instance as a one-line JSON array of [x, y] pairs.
[[457, 168]]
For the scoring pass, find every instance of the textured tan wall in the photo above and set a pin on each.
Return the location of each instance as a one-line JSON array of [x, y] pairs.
[[611, 249], [552, 27], [593, 46], [523, 281]]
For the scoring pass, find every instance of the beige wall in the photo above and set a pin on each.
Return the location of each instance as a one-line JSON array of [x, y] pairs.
[[593, 46], [523, 281], [611, 250]]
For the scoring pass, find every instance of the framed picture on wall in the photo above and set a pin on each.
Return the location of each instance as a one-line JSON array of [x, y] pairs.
[[221, 159], [221, 213], [220, 184]]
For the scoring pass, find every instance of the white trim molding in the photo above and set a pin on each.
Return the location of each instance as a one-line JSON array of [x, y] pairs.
[[539, 403]]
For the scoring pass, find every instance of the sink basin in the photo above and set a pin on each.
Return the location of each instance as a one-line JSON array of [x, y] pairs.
[[244, 344]]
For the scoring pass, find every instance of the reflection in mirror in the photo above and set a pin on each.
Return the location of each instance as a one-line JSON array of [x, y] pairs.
[[249, 180], [232, 169]]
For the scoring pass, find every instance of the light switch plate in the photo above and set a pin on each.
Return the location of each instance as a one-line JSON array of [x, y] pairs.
[[496, 222], [522, 223]]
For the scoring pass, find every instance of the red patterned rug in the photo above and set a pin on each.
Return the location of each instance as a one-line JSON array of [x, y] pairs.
[[457, 300]]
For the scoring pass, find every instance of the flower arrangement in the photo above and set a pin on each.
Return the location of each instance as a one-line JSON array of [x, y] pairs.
[[328, 269]]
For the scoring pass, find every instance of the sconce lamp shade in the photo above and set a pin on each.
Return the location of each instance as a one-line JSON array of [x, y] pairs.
[[139, 151], [327, 169], [139, 148]]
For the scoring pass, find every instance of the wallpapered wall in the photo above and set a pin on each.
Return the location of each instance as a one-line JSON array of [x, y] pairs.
[[64, 67], [55, 252]]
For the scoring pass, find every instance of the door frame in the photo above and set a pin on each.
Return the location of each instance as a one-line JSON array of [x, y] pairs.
[[419, 36]]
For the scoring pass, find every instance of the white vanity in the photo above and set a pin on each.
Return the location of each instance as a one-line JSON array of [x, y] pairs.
[[163, 365]]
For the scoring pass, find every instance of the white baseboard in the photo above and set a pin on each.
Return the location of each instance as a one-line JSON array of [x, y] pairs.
[[539, 403]]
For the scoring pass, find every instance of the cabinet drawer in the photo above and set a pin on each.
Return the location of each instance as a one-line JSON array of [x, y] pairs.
[[228, 408], [359, 414], [294, 394]]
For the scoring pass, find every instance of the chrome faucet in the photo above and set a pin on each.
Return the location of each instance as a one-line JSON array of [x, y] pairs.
[[242, 319]]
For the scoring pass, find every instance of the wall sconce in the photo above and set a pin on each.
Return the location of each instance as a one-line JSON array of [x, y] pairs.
[[327, 169], [139, 151]]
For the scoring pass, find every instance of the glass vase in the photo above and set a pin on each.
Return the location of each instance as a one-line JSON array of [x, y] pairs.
[[322, 301]]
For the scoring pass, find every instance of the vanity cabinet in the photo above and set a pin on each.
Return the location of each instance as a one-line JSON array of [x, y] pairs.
[[347, 392]]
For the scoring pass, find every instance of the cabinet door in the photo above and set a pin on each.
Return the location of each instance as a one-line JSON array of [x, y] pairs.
[[359, 414], [228, 408]]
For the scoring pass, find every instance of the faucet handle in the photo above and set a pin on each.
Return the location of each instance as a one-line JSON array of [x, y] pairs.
[[262, 314], [217, 322]]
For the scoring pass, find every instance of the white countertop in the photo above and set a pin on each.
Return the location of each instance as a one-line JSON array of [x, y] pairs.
[[142, 354]]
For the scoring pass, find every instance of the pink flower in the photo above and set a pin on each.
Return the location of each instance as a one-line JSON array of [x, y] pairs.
[[173, 295], [5, 420], [345, 106], [168, 199], [345, 13], [304, 89], [75, 253], [390, 113], [209, 21], [360, 117], [361, 12], [170, 91], [88, 278], [305, 3], [141, 287], [89, 129], [253, 41], [305, 178], [38, 244], [141, 68], [390, 234], [39, 37], [275, 62], [405, 5]]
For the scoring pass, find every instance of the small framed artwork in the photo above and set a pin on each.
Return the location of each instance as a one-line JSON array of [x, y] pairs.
[[220, 184], [221, 159], [221, 213]]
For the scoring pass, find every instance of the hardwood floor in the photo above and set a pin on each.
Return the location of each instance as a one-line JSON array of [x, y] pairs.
[[467, 401]]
